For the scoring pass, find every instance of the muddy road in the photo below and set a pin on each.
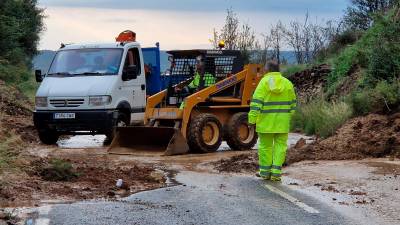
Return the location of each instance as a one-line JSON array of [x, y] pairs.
[[200, 199], [217, 188]]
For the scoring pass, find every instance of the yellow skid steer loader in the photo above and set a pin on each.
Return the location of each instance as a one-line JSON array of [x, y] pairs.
[[206, 102]]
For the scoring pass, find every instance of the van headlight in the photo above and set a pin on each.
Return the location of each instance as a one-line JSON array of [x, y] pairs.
[[41, 101], [99, 100]]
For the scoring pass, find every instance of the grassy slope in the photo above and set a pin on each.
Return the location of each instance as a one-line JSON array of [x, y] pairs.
[[375, 58], [17, 90]]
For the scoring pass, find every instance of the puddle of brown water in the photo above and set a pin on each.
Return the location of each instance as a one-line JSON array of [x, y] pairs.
[[385, 168], [82, 141]]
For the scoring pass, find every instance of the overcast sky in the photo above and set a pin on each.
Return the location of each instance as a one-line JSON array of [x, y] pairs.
[[176, 24]]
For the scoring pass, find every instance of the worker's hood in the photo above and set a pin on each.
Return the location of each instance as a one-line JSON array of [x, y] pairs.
[[275, 82], [76, 86]]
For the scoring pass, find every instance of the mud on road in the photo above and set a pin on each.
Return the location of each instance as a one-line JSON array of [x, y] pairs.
[[373, 135], [367, 190], [93, 173], [89, 178]]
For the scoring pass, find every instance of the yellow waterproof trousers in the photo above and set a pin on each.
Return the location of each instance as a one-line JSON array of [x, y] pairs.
[[272, 153]]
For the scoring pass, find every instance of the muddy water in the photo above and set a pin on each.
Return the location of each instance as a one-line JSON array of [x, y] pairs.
[[91, 147], [82, 141], [367, 190], [96, 141]]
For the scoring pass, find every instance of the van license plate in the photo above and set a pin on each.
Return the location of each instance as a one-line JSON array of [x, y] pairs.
[[64, 115]]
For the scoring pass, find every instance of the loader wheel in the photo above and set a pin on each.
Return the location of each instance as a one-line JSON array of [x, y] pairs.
[[238, 134], [48, 137], [205, 133]]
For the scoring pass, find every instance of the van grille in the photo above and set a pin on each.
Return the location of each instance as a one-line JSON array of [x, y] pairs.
[[70, 103]]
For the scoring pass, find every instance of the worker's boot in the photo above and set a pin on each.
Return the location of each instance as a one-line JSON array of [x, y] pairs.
[[275, 178], [276, 173], [264, 175]]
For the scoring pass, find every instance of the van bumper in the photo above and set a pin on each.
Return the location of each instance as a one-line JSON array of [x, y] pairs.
[[93, 121]]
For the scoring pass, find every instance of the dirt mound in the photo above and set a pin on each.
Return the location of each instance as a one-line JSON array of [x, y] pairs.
[[362, 137], [16, 114], [94, 179], [13, 102], [22, 126], [310, 83], [238, 164]]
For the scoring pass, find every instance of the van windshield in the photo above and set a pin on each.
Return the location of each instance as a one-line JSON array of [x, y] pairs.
[[86, 62]]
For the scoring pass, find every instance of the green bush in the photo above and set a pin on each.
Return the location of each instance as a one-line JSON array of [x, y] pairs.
[[384, 61], [321, 117], [361, 102], [339, 42], [385, 97], [20, 77], [389, 92], [344, 63], [58, 170], [376, 52]]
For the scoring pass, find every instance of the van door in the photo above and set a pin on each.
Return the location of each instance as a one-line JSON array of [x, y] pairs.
[[135, 89]]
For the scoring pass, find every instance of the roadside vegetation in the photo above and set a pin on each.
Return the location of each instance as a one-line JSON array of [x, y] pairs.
[[321, 117], [362, 50], [58, 170], [364, 78], [20, 25]]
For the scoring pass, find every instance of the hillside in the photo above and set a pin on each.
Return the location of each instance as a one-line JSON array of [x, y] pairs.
[[354, 108]]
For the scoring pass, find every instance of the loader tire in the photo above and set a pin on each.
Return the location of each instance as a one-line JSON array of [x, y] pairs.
[[48, 137], [238, 135], [205, 133]]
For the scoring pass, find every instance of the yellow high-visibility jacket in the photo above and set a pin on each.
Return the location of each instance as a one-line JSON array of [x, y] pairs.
[[273, 104], [209, 80]]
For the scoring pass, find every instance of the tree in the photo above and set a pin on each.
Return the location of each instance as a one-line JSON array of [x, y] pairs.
[[308, 39], [263, 54], [229, 32], [21, 22], [237, 36], [360, 14], [294, 38], [276, 38], [247, 42]]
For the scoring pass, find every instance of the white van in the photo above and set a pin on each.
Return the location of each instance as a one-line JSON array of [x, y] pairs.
[[91, 88]]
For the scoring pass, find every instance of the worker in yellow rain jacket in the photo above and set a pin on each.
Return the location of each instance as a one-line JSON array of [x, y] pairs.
[[208, 78], [272, 106]]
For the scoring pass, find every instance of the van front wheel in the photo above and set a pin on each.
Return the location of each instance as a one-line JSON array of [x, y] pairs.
[[48, 137], [122, 121]]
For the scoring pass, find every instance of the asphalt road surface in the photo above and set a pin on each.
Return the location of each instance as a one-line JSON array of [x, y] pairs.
[[200, 199]]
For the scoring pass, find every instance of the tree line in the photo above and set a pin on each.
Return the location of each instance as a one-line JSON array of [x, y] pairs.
[[308, 39], [21, 22]]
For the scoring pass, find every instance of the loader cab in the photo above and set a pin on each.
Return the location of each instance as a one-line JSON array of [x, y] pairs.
[[185, 63]]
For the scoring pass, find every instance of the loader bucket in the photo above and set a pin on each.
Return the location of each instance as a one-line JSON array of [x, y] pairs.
[[129, 140]]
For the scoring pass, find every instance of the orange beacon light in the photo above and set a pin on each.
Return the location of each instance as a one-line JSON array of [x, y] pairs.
[[126, 36]]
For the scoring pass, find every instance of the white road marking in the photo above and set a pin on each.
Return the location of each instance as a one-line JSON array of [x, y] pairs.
[[42, 221], [292, 199], [43, 213], [44, 210]]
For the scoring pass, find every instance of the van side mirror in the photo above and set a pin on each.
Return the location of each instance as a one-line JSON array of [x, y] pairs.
[[130, 73], [38, 76]]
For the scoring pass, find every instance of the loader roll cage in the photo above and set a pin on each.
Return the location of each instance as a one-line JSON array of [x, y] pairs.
[[217, 63]]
